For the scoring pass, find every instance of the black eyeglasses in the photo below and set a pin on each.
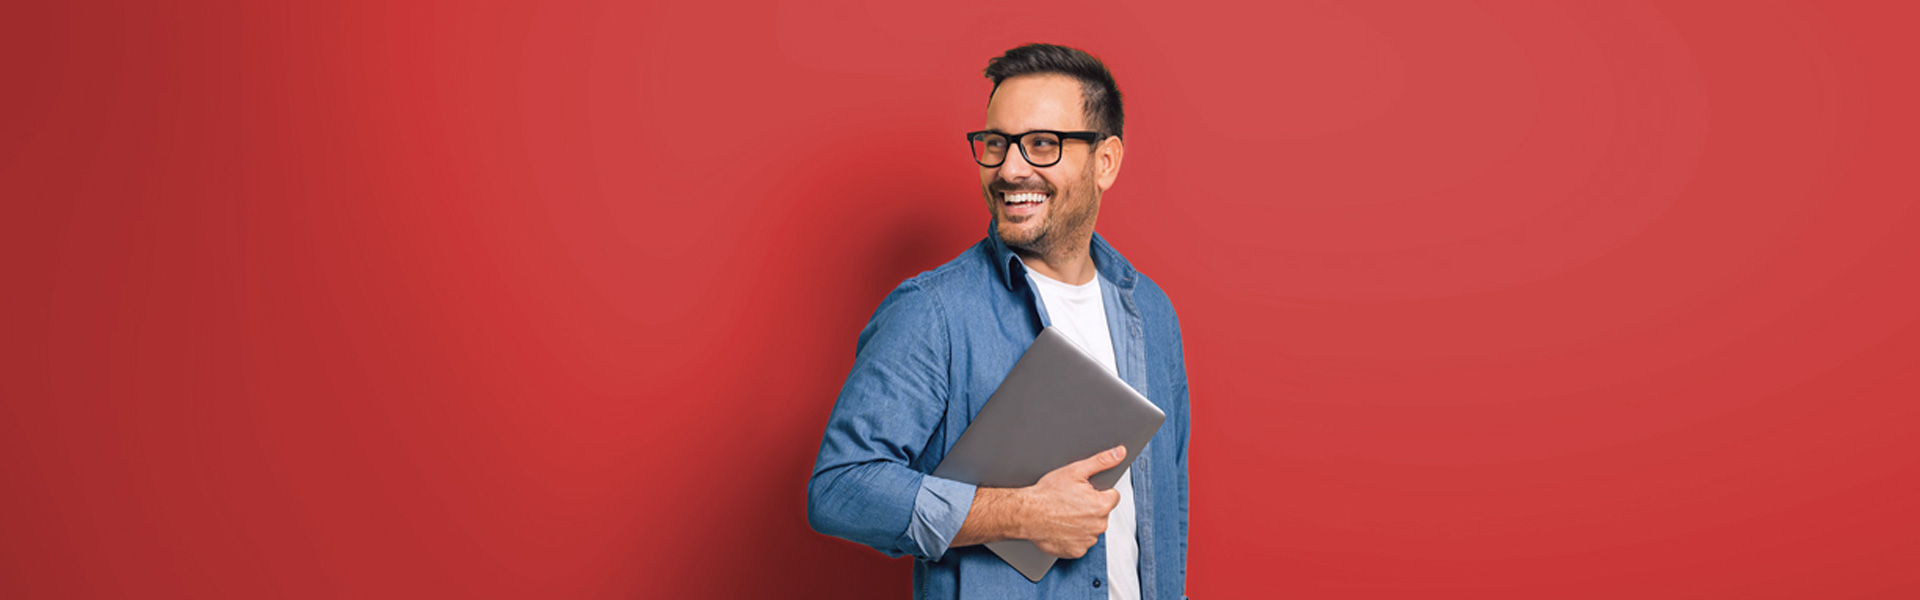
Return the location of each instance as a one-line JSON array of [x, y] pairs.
[[1040, 147]]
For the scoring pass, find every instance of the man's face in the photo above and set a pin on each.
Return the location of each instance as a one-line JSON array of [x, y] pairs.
[[1067, 192]]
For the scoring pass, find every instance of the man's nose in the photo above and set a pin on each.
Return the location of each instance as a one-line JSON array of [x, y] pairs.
[[1016, 167]]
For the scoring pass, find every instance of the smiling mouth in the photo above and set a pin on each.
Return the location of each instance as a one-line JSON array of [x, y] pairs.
[[1022, 198]]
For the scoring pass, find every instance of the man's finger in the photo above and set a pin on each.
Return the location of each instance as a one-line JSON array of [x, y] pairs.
[[1087, 467]]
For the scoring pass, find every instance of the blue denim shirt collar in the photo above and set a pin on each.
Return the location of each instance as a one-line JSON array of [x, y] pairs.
[[1107, 261]]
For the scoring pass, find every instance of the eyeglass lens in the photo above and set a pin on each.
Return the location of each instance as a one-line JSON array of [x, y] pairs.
[[1041, 149]]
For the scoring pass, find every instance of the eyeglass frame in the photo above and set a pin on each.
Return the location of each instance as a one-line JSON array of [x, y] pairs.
[[1090, 137]]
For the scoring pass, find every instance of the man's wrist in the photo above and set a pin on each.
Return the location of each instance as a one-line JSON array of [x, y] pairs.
[[1005, 505], [997, 514], [1015, 504]]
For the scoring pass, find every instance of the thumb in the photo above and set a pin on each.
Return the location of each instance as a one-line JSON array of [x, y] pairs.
[[1087, 467]]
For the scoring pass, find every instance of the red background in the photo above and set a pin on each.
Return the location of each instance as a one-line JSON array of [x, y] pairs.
[[537, 300]]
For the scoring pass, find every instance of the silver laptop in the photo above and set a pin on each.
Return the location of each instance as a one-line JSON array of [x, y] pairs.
[[1057, 406]]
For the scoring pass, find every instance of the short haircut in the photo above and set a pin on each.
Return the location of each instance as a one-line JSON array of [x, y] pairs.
[[1099, 96]]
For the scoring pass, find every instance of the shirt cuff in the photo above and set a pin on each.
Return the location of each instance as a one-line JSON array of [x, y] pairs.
[[938, 511]]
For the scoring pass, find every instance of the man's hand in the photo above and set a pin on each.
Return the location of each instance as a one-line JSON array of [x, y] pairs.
[[1068, 514], [1062, 513]]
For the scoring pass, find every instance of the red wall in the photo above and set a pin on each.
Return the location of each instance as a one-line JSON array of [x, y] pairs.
[[541, 300]]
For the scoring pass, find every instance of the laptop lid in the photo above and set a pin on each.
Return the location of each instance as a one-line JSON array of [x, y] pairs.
[[1058, 405]]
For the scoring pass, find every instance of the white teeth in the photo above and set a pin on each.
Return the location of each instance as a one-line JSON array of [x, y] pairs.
[[1025, 197]]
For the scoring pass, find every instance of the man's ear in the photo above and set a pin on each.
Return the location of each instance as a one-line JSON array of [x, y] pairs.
[[1106, 161]]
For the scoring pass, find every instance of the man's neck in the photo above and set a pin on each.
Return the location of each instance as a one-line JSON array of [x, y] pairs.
[[1073, 265]]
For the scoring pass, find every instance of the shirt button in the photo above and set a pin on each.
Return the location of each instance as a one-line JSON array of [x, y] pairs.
[[1096, 583]]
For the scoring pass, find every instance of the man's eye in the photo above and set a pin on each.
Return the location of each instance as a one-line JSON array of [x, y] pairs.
[[997, 144], [1044, 143]]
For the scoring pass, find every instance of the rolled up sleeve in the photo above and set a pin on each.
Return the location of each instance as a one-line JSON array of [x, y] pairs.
[[938, 512]]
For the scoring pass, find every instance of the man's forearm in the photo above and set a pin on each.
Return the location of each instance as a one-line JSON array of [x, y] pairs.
[[994, 516]]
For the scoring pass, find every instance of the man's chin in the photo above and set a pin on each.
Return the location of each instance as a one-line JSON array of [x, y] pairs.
[[1021, 235]]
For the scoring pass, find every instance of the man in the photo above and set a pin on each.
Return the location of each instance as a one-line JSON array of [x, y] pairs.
[[941, 343]]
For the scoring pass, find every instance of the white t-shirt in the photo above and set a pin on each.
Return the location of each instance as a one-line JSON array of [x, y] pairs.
[[1079, 313]]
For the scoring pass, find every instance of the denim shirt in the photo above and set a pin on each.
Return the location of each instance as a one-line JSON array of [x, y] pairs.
[[925, 364]]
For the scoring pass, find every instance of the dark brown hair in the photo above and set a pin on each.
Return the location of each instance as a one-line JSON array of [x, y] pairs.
[[1099, 95]]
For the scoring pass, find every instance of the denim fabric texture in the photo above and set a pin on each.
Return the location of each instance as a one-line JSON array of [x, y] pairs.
[[924, 366]]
